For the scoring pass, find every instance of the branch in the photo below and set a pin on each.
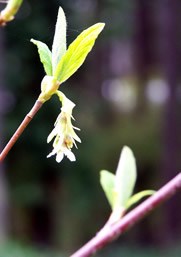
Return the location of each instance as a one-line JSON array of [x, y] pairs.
[[105, 236], [20, 129], [8, 13]]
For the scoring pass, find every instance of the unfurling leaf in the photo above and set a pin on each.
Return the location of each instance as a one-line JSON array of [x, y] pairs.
[[137, 197], [59, 41], [77, 52], [125, 177], [45, 56], [119, 187], [107, 180]]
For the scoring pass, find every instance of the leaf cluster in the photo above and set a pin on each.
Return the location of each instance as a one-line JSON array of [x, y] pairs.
[[60, 62], [119, 187]]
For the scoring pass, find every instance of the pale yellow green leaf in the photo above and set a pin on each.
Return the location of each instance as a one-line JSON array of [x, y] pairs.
[[77, 52], [107, 180], [59, 41], [45, 56], [137, 197], [125, 177]]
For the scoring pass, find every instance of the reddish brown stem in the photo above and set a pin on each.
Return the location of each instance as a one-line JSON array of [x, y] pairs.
[[20, 129], [108, 235]]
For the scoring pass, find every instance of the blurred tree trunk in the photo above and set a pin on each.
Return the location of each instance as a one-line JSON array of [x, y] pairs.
[[143, 48], [167, 22], [3, 185], [143, 38], [98, 63], [169, 36]]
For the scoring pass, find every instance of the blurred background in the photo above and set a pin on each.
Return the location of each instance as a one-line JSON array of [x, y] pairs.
[[128, 92]]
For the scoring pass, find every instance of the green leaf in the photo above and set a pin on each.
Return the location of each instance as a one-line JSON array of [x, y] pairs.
[[59, 41], [125, 178], [107, 180], [137, 197], [45, 56], [77, 52]]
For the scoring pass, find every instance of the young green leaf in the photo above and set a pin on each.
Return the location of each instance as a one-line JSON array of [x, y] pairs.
[[125, 177], [45, 56], [77, 52], [137, 197], [107, 180], [59, 41]]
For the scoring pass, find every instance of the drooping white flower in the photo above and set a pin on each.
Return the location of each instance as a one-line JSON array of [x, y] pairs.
[[63, 132]]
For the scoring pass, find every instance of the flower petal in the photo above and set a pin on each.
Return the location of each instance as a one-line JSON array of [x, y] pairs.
[[53, 152], [70, 155], [51, 135], [59, 156]]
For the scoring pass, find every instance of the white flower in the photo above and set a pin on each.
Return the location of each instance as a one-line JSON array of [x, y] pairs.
[[63, 132]]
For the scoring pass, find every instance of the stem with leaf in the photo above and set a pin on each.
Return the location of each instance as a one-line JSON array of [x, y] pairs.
[[107, 235], [59, 64]]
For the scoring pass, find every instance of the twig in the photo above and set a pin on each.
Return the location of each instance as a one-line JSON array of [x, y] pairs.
[[20, 129], [107, 235], [8, 13]]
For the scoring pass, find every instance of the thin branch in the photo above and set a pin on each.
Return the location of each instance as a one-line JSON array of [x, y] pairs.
[[105, 236], [20, 129], [8, 13]]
